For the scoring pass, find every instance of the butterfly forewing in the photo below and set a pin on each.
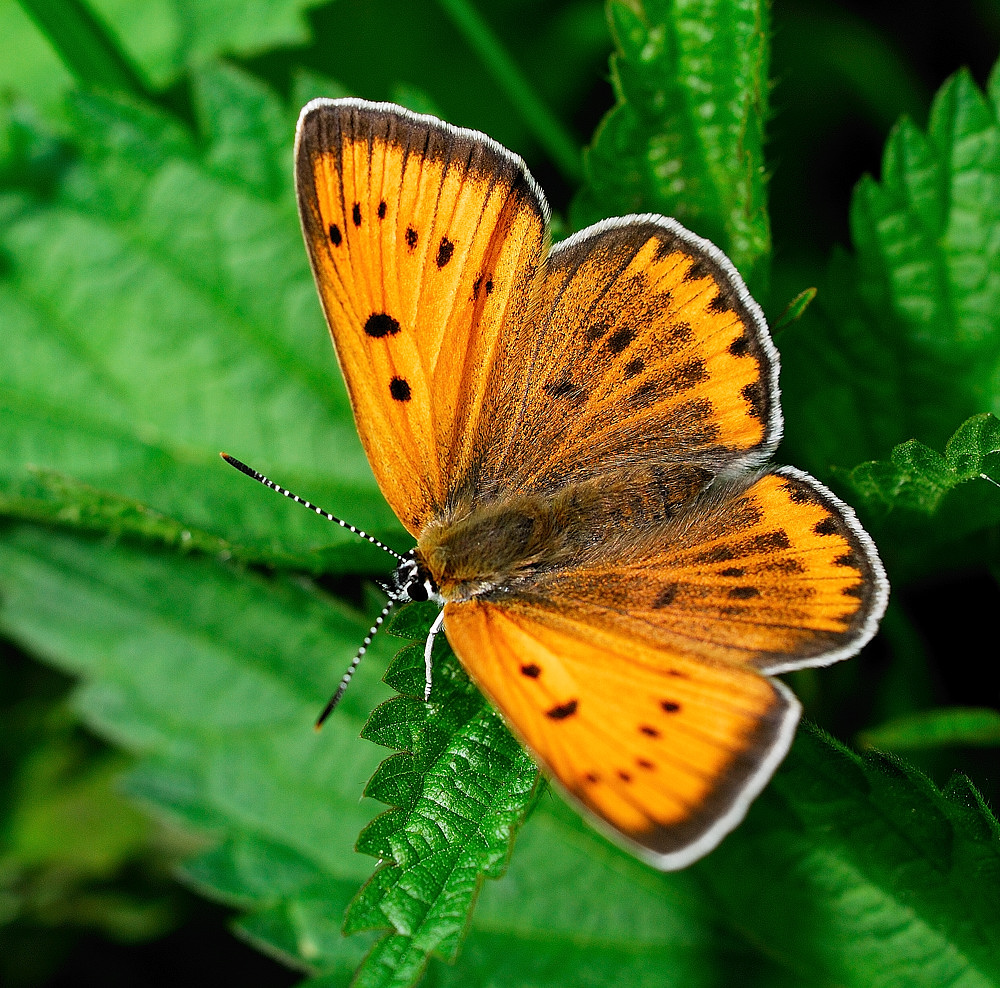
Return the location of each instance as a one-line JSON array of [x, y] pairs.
[[643, 346], [424, 240], [667, 751]]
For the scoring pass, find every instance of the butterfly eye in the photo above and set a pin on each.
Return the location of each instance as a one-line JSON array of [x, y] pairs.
[[417, 591]]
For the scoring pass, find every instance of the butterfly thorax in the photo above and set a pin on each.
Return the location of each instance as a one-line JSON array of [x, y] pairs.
[[503, 546]]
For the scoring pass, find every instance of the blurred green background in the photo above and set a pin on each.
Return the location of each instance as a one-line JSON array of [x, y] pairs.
[[87, 886]]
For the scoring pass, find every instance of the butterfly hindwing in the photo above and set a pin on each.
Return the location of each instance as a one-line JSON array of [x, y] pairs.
[[772, 571], [424, 240], [665, 751]]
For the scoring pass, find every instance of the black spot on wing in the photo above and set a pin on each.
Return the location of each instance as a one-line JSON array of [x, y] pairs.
[[650, 732], [768, 542], [381, 210], [620, 340], [754, 395], [562, 710], [596, 331], [565, 389], [531, 670], [411, 237], [721, 303], [445, 249], [740, 347], [635, 366], [669, 706], [828, 526], [743, 593], [399, 388], [697, 270], [380, 324], [687, 375], [356, 213], [666, 596], [336, 237]]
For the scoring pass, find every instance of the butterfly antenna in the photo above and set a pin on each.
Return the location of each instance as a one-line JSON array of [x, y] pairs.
[[352, 668], [260, 478]]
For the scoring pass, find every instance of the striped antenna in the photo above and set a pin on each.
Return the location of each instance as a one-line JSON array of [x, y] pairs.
[[250, 472], [352, 668]]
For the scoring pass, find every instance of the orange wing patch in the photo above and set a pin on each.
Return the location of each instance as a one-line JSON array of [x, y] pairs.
[[424, 240], [643, 345], [665, 750], [776, 573]]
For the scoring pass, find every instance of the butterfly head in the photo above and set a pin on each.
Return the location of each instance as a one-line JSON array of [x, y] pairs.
[[411, 581]]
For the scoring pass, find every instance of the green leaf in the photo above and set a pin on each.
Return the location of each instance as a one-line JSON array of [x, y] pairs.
[[905, 336], [927, 509], [85, 45], [132, 363], [875, 877], [543, 124], [794, 310], [162, 37], [686, 136], [917, 479], [978, 726], [460, 786], [211, 678], [67, 836]]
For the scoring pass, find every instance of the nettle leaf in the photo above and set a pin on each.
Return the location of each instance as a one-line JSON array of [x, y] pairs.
[[162, 37], [974, 726], [874, 876], [460, 786], [686, 138], [211, 677], [905, 336], [927, 509], [134, 361]]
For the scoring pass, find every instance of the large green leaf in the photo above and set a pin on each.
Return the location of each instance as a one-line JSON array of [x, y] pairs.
[[460, 785], [867, 875], [162, 37], [686, 137], [159, 308], [904, 340], [929, 510], [977, 726], [213, 677]]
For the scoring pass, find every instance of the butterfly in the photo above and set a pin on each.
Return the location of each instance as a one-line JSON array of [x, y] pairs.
[[575, 435]]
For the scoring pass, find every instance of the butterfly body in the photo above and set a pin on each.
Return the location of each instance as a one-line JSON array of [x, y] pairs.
[[576, 439]]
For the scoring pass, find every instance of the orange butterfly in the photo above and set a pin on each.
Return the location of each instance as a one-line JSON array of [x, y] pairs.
[[574, 436]]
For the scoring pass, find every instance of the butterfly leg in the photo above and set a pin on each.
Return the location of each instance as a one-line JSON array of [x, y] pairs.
[[428, 648]]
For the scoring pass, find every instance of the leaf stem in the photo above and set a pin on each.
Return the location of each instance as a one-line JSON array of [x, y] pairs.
[[86, 46], [541, 121]]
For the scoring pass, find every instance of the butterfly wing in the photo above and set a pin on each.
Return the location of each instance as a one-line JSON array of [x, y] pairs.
[[666, 751], [479, 365], [771, 571], [424, 241], [643, 346]]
